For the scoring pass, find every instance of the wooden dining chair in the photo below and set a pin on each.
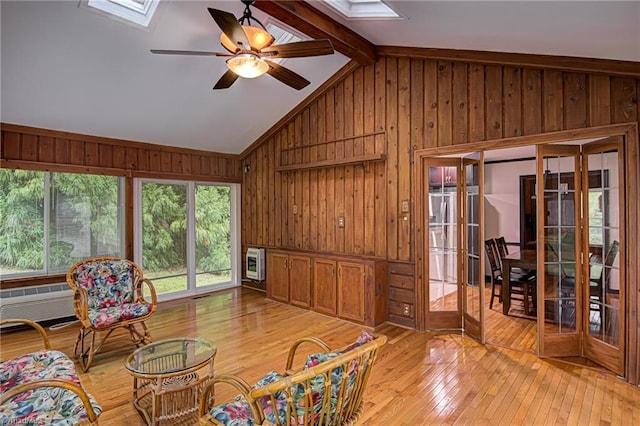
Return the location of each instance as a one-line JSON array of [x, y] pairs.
[[521, 288]]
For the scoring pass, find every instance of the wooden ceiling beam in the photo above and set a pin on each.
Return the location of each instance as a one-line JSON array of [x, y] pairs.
[[309, 20]]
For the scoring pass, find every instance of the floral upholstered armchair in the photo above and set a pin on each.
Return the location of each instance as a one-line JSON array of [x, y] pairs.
[[328, 390], [42, 388], [108, 294]]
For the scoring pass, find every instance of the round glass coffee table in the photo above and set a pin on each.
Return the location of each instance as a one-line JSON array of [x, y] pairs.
[[166, 383]]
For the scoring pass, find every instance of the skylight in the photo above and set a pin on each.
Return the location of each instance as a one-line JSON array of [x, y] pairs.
[[137, 11], [362, 9]]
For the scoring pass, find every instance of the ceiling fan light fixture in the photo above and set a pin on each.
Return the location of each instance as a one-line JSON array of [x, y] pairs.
[[258, 39], [247, 65]]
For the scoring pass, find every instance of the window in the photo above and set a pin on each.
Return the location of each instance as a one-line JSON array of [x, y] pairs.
[[52, 220], [187, 235], [137, 11], [366, 9]]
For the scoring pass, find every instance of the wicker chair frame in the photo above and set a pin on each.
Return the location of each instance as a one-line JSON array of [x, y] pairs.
[[348, 406], [35, 384], [86, 347]]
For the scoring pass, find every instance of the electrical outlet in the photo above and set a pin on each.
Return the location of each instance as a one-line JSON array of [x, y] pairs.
[[406, 310], [405, 206], [295, 209], [340, 221]]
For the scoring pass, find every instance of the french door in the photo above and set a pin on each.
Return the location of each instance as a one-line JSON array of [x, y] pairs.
[[454, 260], [472, 253], [559, 269], [442, 241], [604, 284], [580, 241]]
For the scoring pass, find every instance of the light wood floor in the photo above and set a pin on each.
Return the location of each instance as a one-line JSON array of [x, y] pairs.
[[419, 378]]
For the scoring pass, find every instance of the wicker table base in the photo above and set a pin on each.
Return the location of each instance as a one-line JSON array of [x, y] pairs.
[[170, 401], [166, 383]]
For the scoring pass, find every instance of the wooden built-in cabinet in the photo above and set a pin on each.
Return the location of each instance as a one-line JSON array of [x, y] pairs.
[[289, 278], [353, 289], [325, 288]]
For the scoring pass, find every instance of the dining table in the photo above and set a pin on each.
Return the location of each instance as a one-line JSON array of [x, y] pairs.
[[524, 259]]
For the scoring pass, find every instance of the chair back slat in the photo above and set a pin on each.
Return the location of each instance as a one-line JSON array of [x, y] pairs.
[[492, 257], [503, 249], [608, 263], [328, 393]]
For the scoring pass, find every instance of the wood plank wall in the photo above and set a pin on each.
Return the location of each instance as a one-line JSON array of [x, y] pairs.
[[28, 147], [32, 148], [414, 103]]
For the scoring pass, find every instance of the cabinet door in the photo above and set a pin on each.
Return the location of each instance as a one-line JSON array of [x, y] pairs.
[[300, 281], [324, 286], [278, 277], [351, 291]]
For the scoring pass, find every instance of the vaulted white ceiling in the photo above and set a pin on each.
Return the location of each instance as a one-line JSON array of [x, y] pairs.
[[67, 67]]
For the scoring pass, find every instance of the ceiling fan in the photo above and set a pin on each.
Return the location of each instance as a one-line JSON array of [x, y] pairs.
[[250, 47]]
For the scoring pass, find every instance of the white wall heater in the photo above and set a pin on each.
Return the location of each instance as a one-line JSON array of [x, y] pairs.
[[255, 264]]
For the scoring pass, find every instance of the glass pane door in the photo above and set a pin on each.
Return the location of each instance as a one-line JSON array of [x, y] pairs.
[[442, 209], [559, 293], [186, 236], [473, 283], [604, 234], [212, 234], [164, 236]]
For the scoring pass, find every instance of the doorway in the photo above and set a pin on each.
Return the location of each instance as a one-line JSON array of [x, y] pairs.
[[579, 218], [503, 220]]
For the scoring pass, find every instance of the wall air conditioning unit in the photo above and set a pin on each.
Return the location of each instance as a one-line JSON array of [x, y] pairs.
[[38, 303]]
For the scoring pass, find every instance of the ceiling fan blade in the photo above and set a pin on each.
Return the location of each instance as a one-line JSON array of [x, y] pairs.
[[299, 49], [230, 26], [287, 76], [188, 52], [227, 79]]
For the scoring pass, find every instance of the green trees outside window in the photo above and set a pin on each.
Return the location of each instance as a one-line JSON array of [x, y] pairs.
[[51, 220], [186, 234]]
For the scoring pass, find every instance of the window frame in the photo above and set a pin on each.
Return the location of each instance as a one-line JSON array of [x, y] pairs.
[[235, 243], [44, 275]]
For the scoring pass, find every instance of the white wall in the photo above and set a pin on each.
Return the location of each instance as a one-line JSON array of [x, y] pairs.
[[502, 198]]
